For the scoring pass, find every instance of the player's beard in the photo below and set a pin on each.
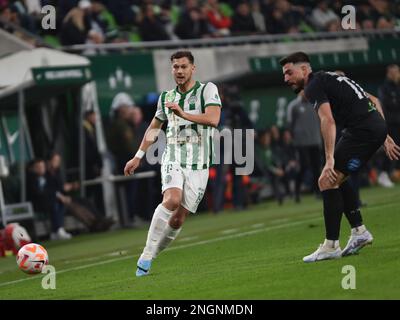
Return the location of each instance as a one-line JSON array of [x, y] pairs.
[[183, 84], [299, 86]]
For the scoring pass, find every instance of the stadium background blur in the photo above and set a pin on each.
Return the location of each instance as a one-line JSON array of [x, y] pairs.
[[81, 133]]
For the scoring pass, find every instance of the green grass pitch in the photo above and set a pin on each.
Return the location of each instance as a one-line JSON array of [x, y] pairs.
[[253, 254]]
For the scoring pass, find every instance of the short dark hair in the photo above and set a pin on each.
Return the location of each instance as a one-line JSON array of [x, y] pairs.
[[52, 154], [36, 160], [295, 58], [183, 54], [31, 163]]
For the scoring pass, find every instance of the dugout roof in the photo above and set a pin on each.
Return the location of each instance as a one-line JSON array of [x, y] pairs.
[[40, 73]]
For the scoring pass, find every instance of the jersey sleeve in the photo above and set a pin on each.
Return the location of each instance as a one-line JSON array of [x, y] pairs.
[[160, 114], [211, 95], [315, 93]]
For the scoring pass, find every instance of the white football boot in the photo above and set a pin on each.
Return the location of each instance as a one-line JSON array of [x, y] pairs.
[[360, 237], [325, 251]]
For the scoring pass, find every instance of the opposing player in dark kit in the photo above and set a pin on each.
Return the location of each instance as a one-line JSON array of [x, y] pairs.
[[340, 101]]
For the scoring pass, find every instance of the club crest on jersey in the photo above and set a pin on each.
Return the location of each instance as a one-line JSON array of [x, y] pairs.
[[354, 164], [170, 96], [192, 99]]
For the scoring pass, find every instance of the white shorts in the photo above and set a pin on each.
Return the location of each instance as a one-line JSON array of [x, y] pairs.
[[193, 183]]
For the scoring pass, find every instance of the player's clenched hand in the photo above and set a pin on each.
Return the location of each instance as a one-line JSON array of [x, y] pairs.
[[175, 108], [329, 171], [392, 149], [131, 166]]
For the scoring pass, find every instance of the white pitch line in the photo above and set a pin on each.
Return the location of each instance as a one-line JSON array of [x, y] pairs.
[[70, 269], [111, 254], [185, 239], [257, 225], [232, 236], [116, 253], [228, 231], [243, 234], [280, 220]]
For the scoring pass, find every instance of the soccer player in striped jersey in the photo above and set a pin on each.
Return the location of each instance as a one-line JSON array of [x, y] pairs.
[[192, 111]]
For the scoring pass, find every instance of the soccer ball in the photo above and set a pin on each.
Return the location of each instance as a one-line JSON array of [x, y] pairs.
[[32, 258]]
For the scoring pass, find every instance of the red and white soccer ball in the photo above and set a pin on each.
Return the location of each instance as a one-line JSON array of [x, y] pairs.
[[31, 258]]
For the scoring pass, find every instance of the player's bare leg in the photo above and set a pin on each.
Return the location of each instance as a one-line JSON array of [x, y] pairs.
[[165, 227], [333, 210]]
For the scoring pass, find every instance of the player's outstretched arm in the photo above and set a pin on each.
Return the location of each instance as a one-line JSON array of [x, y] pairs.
[[209, 118], [391, 148], [149, 137]]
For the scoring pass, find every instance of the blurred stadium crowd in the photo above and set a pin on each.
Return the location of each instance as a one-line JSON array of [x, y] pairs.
[[113, 21]]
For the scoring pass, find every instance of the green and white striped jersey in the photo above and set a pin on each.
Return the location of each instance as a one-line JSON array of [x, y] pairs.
[[188, 143]]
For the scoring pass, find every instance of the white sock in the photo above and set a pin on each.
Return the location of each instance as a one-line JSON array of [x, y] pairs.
[[331, 244], [169, 234], [158, 224], [359, 230]]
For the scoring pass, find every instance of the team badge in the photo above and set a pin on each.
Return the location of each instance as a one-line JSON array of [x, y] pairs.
[[353, 164], [170, 96], [192, 99]]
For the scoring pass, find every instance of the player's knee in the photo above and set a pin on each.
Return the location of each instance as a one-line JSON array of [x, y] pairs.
[[172, 203], [172, 199]]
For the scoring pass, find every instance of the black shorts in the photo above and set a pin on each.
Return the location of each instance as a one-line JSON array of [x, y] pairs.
[[359, 143]]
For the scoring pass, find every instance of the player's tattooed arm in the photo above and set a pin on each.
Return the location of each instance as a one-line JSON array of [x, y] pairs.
[[328, 131], [377, 103]]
